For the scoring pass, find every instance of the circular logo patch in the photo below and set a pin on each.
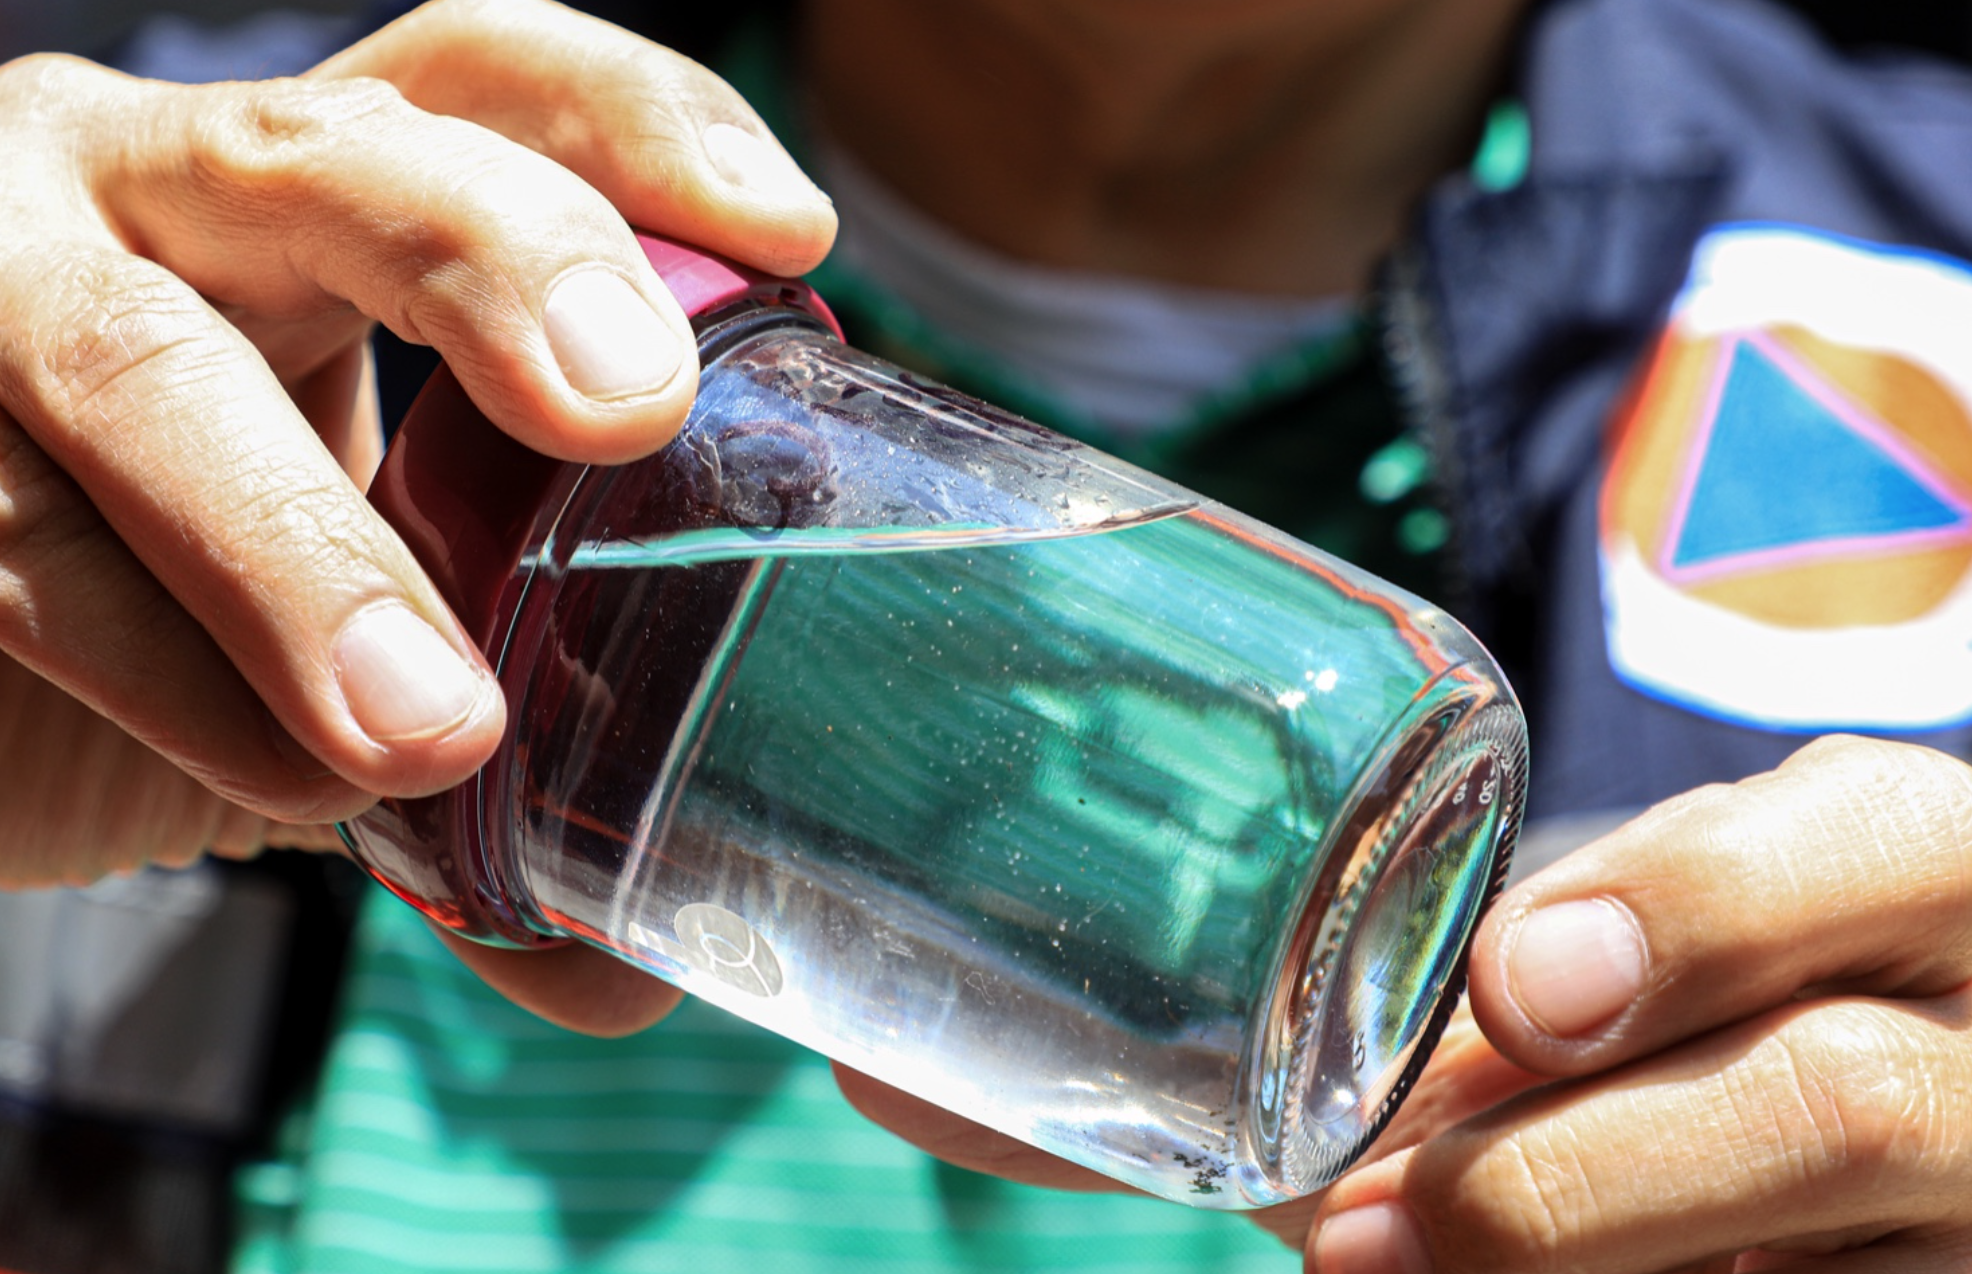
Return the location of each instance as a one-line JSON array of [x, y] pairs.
[[1786, 525]]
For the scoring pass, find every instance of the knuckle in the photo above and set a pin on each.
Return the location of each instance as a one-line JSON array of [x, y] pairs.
[[264, 139], [336, 530], [1872, 772], [1531, 1233], [278, 506], [1904, 806], [1518, 1205], [43, 79], [51, 106], [272, 153], [279, 522], [1852, 1094], [1938, 785], [112, 318], [1842, 809], [280, 111]]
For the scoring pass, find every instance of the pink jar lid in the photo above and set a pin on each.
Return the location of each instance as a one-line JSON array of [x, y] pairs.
[[703, 282]]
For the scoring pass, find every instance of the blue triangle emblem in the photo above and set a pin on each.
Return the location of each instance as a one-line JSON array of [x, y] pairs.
[[1789, 464]]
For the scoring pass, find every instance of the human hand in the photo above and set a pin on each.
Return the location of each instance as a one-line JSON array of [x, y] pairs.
[[186, 415], [1755, 1002]]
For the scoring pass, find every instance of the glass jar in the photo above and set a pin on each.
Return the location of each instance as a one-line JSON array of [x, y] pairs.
[[978, 760]]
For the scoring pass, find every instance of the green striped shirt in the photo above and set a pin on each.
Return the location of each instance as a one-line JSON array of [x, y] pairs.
[[453, 1131]]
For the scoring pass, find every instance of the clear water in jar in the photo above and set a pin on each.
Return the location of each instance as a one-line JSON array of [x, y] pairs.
[[1027, 825]]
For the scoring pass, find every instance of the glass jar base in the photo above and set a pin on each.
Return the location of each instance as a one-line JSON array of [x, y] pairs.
[[1377, 962]]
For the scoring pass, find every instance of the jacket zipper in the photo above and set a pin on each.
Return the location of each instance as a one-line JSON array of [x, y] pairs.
[[1406, 329]]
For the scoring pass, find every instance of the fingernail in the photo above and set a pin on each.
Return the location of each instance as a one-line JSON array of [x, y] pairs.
[[1377, 1238], [608, 340], [747, 160], [401, 679], [1575, 965]]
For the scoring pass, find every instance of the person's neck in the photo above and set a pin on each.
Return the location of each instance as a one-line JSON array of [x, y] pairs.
[[1270, 146]]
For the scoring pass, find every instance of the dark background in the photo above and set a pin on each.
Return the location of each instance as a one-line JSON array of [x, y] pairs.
[[1944, 26]]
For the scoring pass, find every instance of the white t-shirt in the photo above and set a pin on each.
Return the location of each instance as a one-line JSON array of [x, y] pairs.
[[1135, 356]]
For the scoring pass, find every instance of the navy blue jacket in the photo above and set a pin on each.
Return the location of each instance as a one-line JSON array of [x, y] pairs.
[[1518, 322]]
